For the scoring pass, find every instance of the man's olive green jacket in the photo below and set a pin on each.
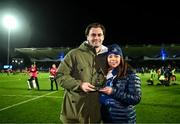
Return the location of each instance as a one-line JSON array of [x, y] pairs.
[[81, 65]]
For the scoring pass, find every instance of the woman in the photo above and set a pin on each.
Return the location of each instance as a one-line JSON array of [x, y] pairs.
[[53, 72], [122, 90], [33, 72]]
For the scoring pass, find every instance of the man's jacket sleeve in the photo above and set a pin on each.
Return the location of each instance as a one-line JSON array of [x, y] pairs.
[[64, 74]]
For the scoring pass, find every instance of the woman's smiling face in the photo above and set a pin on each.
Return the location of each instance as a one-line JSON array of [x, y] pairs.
[[113, 60]]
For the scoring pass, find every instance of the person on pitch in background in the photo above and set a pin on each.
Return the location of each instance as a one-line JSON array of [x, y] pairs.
[[33, 72], [78, 74], [53, 72], [122, 90]]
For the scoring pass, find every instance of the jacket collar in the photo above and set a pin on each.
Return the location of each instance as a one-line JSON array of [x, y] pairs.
[[85, 46]]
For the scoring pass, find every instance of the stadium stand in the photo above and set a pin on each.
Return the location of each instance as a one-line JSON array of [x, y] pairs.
[[136, 55]]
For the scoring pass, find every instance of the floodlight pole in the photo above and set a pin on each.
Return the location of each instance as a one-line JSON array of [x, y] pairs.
[[9, 38]]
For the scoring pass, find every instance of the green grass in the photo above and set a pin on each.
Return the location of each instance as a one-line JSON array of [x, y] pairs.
[[159, 104], [13, 90]]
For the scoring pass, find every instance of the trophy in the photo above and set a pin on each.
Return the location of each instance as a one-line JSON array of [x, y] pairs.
[[99, 83]]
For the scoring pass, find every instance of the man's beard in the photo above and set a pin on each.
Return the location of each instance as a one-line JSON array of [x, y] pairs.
[[96, 46]]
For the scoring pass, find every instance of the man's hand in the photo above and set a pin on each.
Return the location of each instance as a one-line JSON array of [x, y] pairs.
[[87, 87]]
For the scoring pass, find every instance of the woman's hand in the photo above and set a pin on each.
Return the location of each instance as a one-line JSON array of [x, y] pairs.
[[106, 90]]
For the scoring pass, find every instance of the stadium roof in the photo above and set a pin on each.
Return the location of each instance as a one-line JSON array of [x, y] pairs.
[[144, 52], [43, 54]]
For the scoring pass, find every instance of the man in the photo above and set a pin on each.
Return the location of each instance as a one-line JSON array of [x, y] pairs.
[[79, 73]]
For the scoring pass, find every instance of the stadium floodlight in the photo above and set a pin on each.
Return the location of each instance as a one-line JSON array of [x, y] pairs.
[[10, 23]]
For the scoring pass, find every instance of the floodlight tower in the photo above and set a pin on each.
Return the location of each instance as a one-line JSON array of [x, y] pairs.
[[10, 23]]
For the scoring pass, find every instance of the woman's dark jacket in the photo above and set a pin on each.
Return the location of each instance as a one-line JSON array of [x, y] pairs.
[[120, 106]]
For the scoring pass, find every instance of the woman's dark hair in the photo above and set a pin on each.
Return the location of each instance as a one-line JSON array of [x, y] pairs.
[[122, 68], [94, 25]]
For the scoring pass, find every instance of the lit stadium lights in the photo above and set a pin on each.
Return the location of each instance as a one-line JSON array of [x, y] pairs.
[[10, 22], [163, 54], [17, 63], [17, 60]]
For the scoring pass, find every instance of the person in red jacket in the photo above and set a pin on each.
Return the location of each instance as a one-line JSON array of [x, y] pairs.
[[53, 72], [33, 72]]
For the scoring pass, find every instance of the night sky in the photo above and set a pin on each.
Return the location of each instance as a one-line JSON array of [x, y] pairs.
[[55, 23]]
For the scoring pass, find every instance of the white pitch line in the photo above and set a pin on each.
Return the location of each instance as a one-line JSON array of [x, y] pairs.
[[26, 101], [30, 96]]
